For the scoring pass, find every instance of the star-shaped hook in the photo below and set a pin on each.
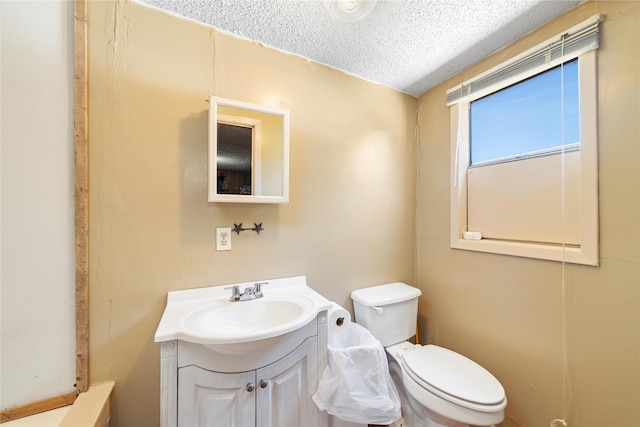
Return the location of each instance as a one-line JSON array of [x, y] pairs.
[[237, 228]]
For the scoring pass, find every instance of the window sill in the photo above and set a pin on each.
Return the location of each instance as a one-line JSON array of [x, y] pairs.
[[569, 254]]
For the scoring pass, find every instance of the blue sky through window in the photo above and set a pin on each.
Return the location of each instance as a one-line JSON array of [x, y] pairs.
[[526, 116]]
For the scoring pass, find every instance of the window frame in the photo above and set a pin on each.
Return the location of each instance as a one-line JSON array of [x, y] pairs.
[[587, 252]]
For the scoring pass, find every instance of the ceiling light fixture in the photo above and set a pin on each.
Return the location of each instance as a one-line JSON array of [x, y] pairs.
[[349, 10]]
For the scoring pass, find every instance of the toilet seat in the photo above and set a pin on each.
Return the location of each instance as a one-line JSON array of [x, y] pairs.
[[454, 377]]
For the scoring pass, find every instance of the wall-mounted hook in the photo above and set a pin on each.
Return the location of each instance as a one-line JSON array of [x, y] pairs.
[[256, 227]]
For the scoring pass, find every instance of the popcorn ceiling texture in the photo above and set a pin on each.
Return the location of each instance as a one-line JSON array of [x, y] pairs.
[[408, 45]]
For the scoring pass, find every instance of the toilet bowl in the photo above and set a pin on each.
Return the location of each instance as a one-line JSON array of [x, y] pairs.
[[444, 388], [437, 387]]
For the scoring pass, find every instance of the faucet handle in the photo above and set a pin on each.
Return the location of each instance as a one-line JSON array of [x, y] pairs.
[[257, 287], [235, 293]]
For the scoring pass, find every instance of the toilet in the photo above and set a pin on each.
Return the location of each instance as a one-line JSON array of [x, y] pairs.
[[437, 387]]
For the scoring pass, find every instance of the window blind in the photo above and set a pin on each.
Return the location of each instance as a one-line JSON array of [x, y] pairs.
[[563, 47]]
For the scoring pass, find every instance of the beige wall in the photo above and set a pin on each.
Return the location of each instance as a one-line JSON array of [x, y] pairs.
[[507, 312], [350, 222]]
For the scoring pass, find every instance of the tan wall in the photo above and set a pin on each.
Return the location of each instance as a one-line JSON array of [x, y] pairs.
[[350, 222], [507, 312]]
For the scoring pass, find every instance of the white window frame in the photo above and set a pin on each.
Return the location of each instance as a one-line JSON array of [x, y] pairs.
[[587, 252]]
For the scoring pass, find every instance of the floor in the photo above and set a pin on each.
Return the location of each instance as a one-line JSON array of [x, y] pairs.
[[507, 423], [54, 418]]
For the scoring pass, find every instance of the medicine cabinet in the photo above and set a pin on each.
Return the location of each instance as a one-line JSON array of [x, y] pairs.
[[248, 152]]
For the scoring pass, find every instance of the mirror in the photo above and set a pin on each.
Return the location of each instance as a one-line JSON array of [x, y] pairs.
[[248, 152]]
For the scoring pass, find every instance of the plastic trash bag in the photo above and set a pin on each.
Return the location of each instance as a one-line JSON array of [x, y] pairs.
[[356, 385]]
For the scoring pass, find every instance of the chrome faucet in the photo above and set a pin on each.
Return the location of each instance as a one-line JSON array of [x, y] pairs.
[[249, 293]]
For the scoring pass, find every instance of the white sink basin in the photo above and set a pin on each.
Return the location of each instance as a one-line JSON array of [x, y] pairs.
[[206, 316], [226, 321]]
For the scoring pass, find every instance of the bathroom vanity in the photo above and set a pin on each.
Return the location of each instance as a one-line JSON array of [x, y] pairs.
[[255, 362]]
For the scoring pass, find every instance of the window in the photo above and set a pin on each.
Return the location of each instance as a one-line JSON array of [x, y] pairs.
[[537, 115], [524, 153]]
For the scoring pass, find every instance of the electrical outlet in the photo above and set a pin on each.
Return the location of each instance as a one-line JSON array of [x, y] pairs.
[[223, 239]]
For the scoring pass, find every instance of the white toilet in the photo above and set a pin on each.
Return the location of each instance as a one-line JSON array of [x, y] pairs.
[[437, 387]]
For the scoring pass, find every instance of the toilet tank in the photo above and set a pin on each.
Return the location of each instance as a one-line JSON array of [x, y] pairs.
[[388, 311]]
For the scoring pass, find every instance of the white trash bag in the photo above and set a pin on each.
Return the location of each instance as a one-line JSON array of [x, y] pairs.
[[356, 385]]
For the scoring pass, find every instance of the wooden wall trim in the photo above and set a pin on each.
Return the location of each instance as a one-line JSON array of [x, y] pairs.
[[37, 407], [81, 195]]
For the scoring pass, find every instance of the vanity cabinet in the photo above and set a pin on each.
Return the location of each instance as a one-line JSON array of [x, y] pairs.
[[278, 394], [208, 398], [211, 386]]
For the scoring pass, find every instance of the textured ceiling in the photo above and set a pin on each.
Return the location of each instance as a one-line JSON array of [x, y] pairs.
[[409, 45]]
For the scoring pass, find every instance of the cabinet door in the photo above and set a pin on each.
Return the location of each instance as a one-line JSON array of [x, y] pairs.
[[212, 399], [284, 389]]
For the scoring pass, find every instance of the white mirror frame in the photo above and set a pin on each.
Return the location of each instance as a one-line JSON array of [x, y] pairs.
[[214, 102]]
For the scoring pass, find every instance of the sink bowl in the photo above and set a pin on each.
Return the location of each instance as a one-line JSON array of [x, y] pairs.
[[228, 322], [206, 316]]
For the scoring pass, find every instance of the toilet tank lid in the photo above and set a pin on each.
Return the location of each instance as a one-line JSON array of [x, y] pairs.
[[389, 293]]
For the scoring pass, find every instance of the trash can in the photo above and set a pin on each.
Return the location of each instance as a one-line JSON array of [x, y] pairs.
[[356, 385]]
